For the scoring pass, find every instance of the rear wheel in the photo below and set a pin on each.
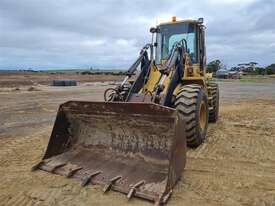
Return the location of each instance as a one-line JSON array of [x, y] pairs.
[[192, 103], [213, 90]]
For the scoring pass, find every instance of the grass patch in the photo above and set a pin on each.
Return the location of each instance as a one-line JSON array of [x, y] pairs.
[[253, 78]]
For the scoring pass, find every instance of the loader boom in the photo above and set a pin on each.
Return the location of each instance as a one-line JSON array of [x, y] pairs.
[[135, 141]]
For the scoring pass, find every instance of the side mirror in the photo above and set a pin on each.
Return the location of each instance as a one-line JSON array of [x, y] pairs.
[[154, 30], [200, 21]]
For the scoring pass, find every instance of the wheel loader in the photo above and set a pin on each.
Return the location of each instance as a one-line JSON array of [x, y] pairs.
[[135, 141]]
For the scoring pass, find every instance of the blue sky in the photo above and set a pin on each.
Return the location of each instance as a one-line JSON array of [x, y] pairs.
[[109, 34]]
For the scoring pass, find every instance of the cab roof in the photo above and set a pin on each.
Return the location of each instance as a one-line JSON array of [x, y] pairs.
[[179, 21]]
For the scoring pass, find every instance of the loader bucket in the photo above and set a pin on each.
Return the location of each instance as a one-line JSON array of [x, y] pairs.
[[135, 148]]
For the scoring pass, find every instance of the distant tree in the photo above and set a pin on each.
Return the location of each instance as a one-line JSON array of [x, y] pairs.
[[248, 67], [270, 69], [214, 66], [259, 70], [223, 66], [253, 63], [235, 69]]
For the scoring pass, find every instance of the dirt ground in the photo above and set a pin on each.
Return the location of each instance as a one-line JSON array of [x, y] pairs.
[[18, 79], [235, 166]]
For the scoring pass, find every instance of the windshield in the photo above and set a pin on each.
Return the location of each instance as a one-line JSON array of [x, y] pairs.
[[171, 33]]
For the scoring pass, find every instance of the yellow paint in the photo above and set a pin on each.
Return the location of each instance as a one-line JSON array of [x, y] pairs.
[[195, 76], [165, 21], [176, 22], [192, 72], [174, 19], [209, 75], [177, 89], [153, 78]]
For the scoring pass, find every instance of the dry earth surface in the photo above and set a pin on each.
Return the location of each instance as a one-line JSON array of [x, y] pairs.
[[235, 166]]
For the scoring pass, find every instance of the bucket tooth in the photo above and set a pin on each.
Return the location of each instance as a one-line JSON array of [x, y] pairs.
[[166, 197], [133, 188], [163, 198], [138, 149], [36, 167], [88, 178], [39, 164], [73, 171], [157, 203], [56, 166], [111, 182]]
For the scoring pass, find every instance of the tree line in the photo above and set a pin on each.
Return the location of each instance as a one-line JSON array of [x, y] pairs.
[[251, 68]]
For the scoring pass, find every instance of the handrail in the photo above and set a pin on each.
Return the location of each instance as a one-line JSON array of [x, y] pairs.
[[172, 58], [134, 66]]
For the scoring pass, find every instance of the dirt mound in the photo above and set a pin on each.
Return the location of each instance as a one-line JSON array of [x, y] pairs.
[[31, 89]]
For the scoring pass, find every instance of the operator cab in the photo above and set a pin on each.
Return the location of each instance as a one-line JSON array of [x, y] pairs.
[[168, 34]]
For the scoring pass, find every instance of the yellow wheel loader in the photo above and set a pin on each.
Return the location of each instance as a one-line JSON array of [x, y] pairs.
[[135, 141]]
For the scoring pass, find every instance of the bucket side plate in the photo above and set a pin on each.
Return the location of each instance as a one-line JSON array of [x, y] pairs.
[[128, 147]]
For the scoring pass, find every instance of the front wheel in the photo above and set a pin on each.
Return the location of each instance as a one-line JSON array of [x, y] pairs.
[[191, 102]]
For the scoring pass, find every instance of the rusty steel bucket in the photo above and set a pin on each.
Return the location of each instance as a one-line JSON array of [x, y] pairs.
[[135, 148]]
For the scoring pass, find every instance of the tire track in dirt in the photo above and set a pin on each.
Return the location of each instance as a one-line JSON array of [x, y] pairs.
[[50, 96], [209, 149], [19, 199], [235, 166], [17, 148], [239, 139], [236, 157], [224, 181], [9, 145], [23, 152], [47, 197], [30, 198]]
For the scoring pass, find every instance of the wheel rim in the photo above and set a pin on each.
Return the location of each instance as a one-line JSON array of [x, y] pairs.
[[202, 115]]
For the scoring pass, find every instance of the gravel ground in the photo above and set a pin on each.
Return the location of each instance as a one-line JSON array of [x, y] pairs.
[[235, 166]]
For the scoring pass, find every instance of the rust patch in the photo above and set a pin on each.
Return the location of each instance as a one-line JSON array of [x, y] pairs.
[[136, 148]]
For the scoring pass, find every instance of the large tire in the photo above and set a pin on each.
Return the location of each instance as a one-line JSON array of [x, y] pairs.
[[213, 90], [192, 103]]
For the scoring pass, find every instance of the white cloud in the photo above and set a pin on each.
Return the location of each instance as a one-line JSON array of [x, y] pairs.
[[111, 33], [93, 43]]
